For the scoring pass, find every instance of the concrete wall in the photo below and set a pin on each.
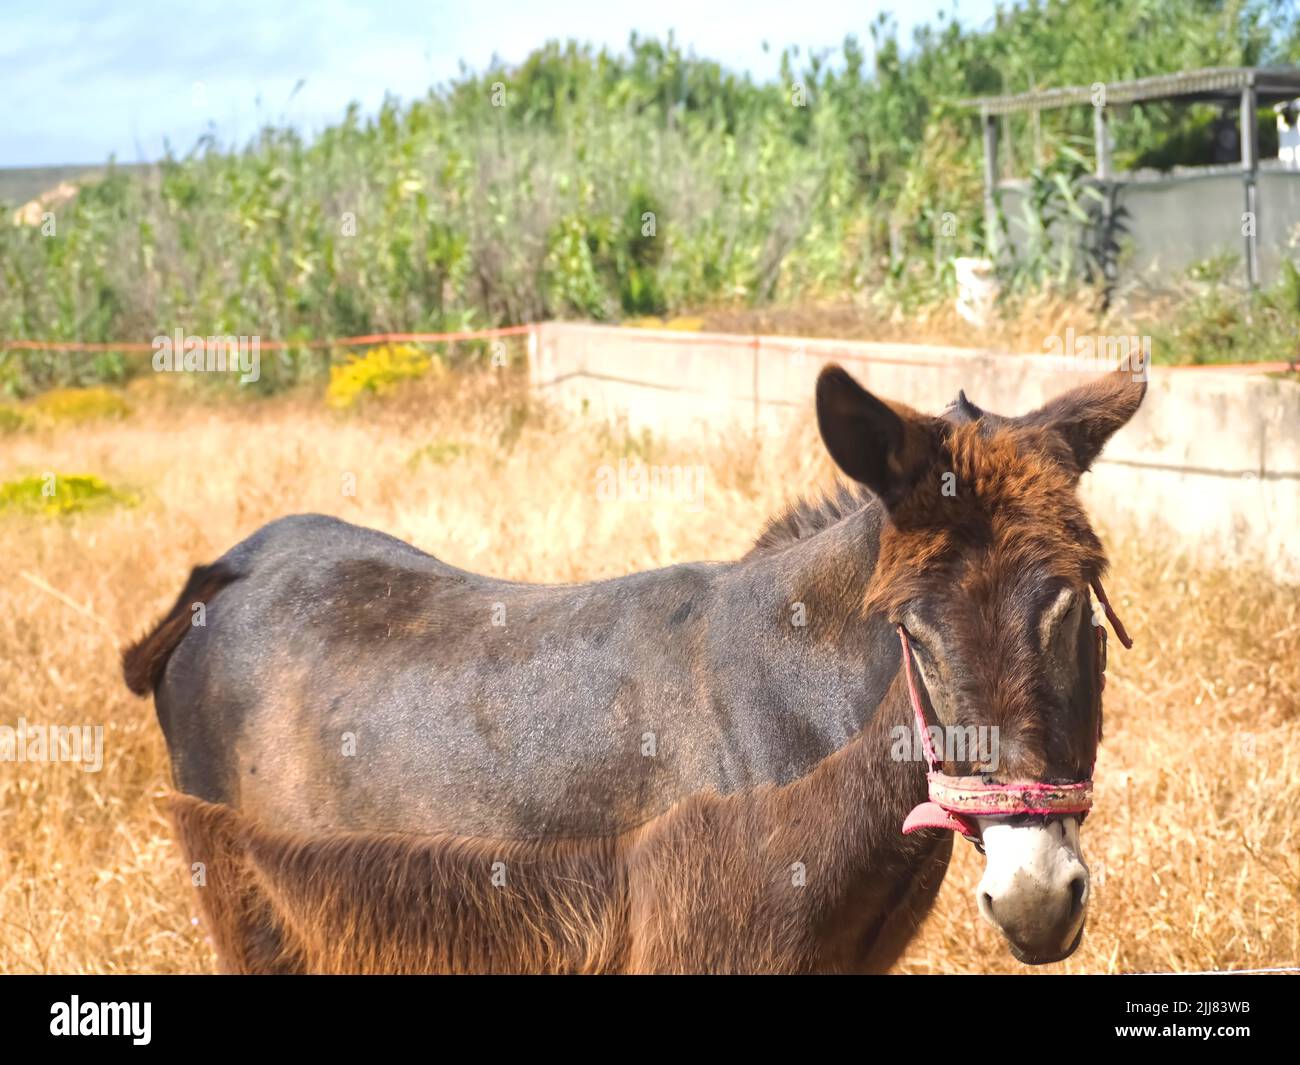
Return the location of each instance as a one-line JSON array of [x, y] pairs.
[[1211, 463]]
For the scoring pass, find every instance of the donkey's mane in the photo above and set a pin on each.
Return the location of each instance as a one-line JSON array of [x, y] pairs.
[[809, 515]]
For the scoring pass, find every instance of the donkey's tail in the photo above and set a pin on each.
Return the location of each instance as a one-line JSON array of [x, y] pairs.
[[144, 660]]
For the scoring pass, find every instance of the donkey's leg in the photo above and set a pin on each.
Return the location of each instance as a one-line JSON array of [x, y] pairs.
[[247, 937]]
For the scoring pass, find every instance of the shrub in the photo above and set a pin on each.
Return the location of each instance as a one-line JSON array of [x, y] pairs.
[[79, 405], [377, 373], [57, 494]]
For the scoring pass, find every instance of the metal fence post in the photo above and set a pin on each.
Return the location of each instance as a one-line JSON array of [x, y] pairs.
[[991, 236], [1249, 170]]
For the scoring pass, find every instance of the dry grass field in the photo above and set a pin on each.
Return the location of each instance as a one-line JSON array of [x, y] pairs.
[[1194, 843]]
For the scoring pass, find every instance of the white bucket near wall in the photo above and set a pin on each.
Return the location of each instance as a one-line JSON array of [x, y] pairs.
[[1288, 133], [977, 290]]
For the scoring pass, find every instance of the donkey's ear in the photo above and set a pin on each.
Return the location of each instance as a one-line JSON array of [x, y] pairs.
[[879, 445], [1087, 416]]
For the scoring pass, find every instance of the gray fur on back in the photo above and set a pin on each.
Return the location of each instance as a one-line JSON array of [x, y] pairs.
[[348, 679]]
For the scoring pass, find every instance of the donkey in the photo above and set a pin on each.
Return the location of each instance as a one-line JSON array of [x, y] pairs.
[[392, 765]]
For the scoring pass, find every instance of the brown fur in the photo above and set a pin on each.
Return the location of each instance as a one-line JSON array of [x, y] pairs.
[[246, 932], [705, 887], [1011, 498]]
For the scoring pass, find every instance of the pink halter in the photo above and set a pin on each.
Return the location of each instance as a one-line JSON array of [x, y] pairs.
[[955, 802]]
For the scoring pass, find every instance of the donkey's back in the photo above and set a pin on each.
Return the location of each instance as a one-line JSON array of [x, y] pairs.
[[337, 677]]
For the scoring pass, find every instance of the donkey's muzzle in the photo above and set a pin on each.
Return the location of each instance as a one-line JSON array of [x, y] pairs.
[[1035, 888]]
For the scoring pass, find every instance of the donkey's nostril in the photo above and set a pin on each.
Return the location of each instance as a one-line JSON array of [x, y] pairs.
[[1078, 893]]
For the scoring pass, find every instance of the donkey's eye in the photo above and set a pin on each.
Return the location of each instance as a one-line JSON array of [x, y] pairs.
[[909, 626], [920, 653]]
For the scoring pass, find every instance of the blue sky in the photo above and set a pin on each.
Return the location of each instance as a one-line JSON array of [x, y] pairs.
[[82, 80]]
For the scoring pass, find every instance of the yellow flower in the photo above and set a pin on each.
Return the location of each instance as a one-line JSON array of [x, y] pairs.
[[378, 372]]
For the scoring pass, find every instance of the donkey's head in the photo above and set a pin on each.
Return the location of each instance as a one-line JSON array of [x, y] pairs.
[[986, 564]]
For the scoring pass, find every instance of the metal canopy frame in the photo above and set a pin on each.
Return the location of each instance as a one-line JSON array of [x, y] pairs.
[[1222, 84], [1248, 87]]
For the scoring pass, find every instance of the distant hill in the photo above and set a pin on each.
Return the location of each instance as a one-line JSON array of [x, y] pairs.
[[20, 184]]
